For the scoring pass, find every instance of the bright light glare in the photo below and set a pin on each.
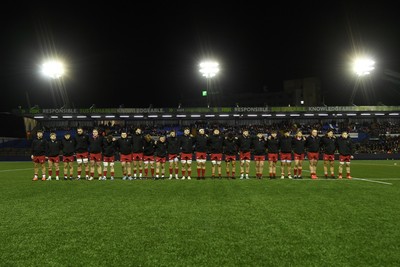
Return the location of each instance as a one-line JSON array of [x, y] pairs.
[[363, 66], [53, 69], [209, 69]]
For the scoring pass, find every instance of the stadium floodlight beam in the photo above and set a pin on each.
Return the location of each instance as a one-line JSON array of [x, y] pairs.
[[362, 66], [53, 69], [209, 69]]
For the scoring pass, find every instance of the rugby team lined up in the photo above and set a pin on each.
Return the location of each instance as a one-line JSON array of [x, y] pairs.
[[145, 157]]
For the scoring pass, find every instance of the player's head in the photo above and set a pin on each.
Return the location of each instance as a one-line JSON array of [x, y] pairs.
[[201, 131], [162, 138], [147, 137], [345, 134], [314, 132], [216, 132], [286, 132], [124, 133], [172, 133], [138, 130], [95, 132], [39, 133], [109, 138], [186, 131], [245, 132], [53, 136], [274, 133], [260, 135], [79, 130], [329, 133], [299, 134], [230, 136], [67, 135]]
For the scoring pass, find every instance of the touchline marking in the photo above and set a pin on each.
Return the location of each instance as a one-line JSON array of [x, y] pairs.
[[16, 170], [372, 164], [372, 181]]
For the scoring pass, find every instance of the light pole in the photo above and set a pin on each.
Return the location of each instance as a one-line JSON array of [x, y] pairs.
[[209, 69], [55, 70], [362, 67]]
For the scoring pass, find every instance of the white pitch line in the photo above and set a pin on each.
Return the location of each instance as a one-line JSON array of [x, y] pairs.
[[373, 164], [12, 170], [372, 181]]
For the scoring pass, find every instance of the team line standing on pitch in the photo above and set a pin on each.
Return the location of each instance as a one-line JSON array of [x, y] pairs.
[[143, 157]]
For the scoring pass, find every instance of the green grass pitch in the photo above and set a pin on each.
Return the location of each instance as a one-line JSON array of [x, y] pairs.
[[223, 222]]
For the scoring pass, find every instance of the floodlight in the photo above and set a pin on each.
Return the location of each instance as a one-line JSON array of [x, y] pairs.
[[363, 66], [209, 68], [53, 69]]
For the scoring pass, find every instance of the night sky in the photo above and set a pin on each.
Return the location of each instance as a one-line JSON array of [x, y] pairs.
[[153, 50]]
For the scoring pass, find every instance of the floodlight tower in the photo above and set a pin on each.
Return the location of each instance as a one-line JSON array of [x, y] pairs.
[[362, 67], [55, 70], [209, 69]]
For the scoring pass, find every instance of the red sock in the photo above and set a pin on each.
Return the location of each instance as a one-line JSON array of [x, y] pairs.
[[50, 172], [104, 173], [203, 172], [198, 172], [57, 173]]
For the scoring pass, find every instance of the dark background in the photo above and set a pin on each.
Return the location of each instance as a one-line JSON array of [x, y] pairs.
[[151, 51]]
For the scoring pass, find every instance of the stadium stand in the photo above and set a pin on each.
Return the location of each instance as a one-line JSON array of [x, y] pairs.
[[374, 129]]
